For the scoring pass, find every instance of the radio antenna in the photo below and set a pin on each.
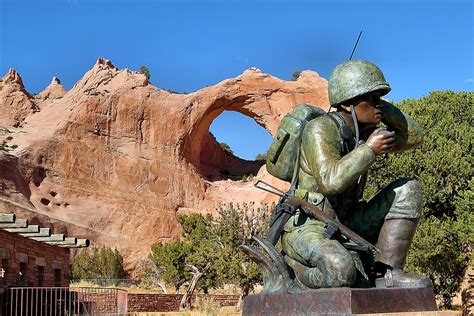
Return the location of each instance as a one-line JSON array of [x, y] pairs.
[[355, 46]]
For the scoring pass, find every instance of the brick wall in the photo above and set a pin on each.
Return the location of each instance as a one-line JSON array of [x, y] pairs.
[[35, 257], [170, 302], [153, 302]]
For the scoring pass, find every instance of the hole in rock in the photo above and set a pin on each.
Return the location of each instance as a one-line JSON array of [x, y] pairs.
[[38, 176], [45, 201], [233, 147], [242, 134], [53, 194]]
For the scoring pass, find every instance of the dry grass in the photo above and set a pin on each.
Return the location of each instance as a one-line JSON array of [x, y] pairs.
[[130, 289], [222, 311], [206, 305]]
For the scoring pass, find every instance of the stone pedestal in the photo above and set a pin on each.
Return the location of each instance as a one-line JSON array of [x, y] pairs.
[[341, 301]]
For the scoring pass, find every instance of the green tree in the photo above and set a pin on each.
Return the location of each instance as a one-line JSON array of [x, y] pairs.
[[149, 275], [209, 254], [226, 149], [203, 248], [261, 157], [442, 245], [144, 70], [82, 266], [234, 226], [98, 263], [295, 75], [170, 261], [203, 251]]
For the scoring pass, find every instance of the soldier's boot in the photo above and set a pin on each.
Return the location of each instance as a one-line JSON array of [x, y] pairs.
[[394, 242]]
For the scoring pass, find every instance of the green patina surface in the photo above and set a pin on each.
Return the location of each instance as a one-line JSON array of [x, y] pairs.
[[354, 78], [328, 169]]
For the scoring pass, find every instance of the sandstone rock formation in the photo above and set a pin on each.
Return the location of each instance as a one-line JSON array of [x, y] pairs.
[[115, 158], [16, 103], [55, 90]]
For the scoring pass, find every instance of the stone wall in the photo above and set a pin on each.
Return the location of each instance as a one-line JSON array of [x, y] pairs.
[[170, 302], [36, 258]]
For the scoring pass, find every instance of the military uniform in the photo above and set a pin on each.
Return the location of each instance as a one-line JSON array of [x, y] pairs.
[[332, 176]]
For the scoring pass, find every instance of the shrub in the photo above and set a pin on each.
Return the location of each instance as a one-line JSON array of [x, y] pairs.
[[247, 177], [144, 70], [226, 149], [206, 305], [295, 75]]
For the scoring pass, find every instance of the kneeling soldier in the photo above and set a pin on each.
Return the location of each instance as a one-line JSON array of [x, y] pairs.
[[336, 152]]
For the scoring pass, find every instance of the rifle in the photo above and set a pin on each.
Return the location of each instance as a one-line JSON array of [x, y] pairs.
[[289, 204]]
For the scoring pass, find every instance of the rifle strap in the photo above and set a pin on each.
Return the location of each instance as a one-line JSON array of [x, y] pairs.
[[283, 211]]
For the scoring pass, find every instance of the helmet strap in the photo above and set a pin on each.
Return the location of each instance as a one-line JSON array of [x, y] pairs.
[[356, 126]]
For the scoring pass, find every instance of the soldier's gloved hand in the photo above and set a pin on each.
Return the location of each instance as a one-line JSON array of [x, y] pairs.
[[381, 141]]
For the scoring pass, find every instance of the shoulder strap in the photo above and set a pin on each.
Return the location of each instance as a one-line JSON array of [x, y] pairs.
[[294, 179], [336, 118], [344, 129]]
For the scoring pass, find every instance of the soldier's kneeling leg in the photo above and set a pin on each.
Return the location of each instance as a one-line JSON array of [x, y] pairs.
[[318, 262], [391, 217]]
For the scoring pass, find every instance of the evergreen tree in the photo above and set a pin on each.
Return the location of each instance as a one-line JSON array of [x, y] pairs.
[[144, 70], [209, 255], [170, 262], [442, 245], [97, 263]]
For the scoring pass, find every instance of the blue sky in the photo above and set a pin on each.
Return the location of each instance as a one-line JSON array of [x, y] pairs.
[[420, 45]]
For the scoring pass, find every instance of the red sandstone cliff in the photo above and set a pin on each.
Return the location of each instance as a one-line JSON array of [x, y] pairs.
[[115, 158], [16, 103]]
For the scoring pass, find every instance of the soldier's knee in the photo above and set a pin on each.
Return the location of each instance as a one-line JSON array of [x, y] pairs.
[[342, 270], [411, 187], [408, 200]]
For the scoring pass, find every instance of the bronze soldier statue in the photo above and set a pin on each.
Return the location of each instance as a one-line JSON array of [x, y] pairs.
[[336, 152]]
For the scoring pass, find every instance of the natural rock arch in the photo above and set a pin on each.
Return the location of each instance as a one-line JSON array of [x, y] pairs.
[[124, 157], [259, 96], [205, 152]]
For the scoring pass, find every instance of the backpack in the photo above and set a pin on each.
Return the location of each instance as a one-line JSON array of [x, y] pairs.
[[283, 152]]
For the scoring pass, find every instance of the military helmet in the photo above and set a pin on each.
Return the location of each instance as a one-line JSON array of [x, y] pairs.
[[354, 78]]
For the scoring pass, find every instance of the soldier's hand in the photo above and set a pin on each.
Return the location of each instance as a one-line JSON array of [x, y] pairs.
[[381, 141]]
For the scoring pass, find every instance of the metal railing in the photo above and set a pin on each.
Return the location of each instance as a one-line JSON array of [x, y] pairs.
[[52, 301]]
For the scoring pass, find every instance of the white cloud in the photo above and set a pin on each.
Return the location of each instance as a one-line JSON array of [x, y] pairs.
[[469, 80]]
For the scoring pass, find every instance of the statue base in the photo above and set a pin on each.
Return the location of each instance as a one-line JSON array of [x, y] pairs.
[[341, 301]]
